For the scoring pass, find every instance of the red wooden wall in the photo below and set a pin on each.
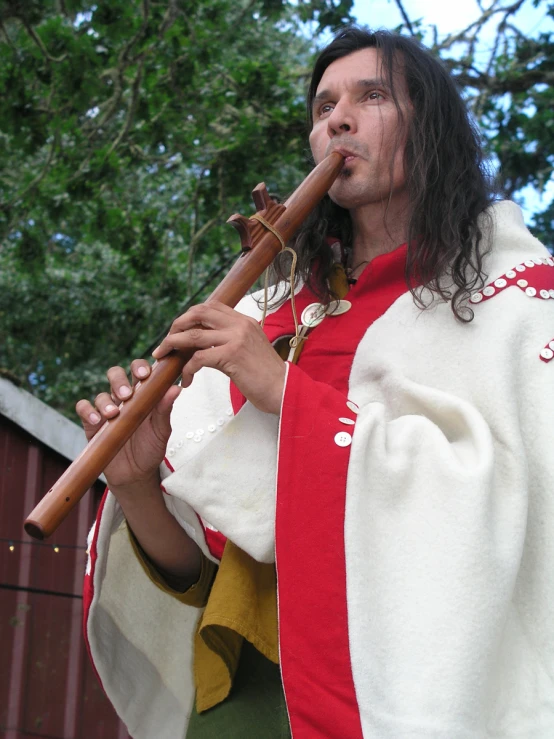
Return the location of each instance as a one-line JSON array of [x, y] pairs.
[[47, 686]]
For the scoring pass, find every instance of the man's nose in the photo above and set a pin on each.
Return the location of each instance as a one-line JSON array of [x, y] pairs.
[[341, 120]]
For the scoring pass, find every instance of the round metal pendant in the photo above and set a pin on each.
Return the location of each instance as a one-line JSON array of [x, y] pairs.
[[312, 315], [338, 307]]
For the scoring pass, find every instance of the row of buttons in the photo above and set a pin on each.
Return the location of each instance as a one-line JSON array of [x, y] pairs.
[[343, 438], [501, 283], [198, 435]]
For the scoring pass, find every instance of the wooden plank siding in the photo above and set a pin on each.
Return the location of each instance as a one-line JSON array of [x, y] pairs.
[[47, 686]]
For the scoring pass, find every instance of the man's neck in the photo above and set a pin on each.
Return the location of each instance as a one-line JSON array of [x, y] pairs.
[[377, 229]]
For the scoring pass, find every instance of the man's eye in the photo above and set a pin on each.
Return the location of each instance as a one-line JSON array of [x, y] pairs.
[[327, 108], [374, 95]]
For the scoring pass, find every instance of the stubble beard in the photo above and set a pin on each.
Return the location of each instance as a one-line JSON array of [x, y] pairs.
[[347, 193]]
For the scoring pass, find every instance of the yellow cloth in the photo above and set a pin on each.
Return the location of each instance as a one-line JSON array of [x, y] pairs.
[[241, 603]]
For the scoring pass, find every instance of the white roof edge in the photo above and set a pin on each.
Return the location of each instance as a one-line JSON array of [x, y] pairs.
[[41, 421]]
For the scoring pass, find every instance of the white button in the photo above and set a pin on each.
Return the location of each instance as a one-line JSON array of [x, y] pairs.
[[353, 407], [545, 354], [511, 274], [220, 421], [338, 307], [522, 283], [189, 434], [476, 298], [537, 260], [171, 452], [197, 437], [179, 444], [551, 293], [550, 261], [545, 294], [347, 421], [199, 432], [211, 428], [488, 291], [501, 282], [229, 411], [551, 344], [343, 438], [531, 292], [529, 263], [312, 315], [520, 268]]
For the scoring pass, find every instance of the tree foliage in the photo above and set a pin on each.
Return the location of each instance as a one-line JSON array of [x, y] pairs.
[[131, 130]]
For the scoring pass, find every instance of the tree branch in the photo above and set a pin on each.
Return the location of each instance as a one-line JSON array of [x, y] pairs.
[[194, 242], [39, 177], [111, 104], [169, 18], [494, 86], [131, 112], [123, 56], [450, 40], [404, 15], [8, 40], [38, 41]]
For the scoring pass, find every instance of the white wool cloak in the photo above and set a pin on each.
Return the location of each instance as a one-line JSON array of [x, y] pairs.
[[412, 526]]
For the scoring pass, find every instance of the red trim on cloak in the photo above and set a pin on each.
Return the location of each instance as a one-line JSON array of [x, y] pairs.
[[311, 567], [310, 514], [88, 584], [214, 539], [168, 464]]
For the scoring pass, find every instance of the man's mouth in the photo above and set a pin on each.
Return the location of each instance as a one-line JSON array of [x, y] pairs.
[[348, 155]]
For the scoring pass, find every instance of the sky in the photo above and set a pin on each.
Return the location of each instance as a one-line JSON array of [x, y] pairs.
[[451, 17], [448, 17]]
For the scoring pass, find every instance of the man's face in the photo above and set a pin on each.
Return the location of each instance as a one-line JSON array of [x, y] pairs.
[[353, 112]]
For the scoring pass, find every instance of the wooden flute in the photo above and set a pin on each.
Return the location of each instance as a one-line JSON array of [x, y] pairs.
[[261, 241]]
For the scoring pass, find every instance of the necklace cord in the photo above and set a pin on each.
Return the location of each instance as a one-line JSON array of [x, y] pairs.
[[295, 339]]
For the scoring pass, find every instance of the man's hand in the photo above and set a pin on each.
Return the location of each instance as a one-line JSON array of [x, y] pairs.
[[233, 344], [136, 465]]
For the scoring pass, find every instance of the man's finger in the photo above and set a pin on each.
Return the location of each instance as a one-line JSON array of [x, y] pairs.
[[140, 369], [119, 384], [106, 405], [193, 338], [209, 315], [90, 417]]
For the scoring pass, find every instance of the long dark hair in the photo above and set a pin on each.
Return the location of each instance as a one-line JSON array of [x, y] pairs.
[[446, 178]]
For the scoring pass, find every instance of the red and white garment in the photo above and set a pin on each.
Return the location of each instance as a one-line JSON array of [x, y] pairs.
[[407, 499]]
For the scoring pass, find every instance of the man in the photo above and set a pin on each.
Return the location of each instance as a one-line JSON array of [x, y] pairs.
[[398, 473]]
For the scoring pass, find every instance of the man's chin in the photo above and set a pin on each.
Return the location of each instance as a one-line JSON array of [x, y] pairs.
[[343, 195]]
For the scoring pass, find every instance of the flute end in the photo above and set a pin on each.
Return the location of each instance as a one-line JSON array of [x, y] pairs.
[[34, 530]]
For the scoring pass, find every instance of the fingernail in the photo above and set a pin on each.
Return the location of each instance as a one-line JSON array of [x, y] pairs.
[[109, 408], [142, 372], [94, 418], [124, 391]]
